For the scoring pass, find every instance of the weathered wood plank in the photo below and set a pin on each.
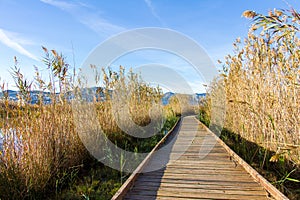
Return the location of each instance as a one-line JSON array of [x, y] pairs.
[[251, 187], [199, 179], [194, 194], [201, 190], [203, 182], [208, 185]]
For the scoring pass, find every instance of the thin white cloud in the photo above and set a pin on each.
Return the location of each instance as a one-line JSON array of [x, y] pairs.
[[99, 25], [85, 5], [153, 12], [8, 41], [86, 15], [60, 4], [18, 38]]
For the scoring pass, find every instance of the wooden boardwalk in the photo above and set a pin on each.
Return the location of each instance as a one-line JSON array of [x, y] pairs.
[[198, 166]]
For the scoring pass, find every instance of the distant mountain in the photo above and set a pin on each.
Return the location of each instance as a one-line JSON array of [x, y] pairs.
[[194, 99], [34, 96], [198, 96], [166, 97], [88, 94]]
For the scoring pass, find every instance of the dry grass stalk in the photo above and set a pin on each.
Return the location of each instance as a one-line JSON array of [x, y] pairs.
[[41, 145], [263, 84]]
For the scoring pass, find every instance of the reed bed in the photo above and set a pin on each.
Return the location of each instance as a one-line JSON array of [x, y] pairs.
[[262, 79], [42, 152]]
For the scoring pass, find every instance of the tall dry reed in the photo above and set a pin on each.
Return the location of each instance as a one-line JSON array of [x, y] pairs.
[[262, 81], [42, 149]]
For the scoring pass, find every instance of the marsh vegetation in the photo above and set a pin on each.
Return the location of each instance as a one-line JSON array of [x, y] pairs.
[[262, 87]]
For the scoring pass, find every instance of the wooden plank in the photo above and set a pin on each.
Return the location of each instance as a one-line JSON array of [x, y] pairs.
[[198, 179], [200, 176], [208, 160], [179, 193], [173, 197], [204, 170], [207, 190], [253, 187], [202, 182], [198, 172]]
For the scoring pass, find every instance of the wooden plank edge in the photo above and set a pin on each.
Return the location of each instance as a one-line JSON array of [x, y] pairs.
[[272, 190], [120, 194]]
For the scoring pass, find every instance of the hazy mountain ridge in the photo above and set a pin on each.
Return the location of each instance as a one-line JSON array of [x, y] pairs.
[[194, 97], [88, 94]]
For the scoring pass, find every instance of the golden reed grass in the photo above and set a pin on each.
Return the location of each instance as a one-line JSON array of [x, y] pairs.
[[41, 145], [262, 81]]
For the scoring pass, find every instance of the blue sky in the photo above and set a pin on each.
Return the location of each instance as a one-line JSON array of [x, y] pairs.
[[77, 27]]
